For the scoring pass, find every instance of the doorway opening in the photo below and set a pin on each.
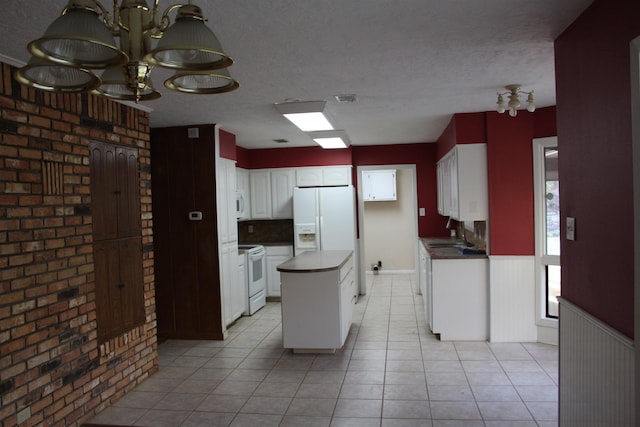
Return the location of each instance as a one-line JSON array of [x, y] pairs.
[[388, 230]]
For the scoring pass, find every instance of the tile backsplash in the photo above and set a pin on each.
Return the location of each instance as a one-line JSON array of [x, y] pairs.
[[266, 231], [477, 237]]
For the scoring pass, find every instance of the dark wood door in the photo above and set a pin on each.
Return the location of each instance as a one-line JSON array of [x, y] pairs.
[[115, 204], [186, 252], [104, 196]]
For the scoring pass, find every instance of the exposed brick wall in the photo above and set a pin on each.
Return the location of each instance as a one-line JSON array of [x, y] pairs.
[[53, 371]]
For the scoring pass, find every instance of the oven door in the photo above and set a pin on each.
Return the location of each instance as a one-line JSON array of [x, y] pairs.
[[257, 271]]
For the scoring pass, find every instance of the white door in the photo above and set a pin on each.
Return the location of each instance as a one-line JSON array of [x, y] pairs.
[[547, 220]]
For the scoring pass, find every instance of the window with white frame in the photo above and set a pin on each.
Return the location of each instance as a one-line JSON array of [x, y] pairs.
[[547, 206]]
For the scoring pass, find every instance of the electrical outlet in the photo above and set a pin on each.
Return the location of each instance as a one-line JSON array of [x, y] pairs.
[[421, 212], [571, 228], [250, 228]]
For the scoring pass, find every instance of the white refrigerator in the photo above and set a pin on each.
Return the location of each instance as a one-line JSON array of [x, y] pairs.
[[324, 218]]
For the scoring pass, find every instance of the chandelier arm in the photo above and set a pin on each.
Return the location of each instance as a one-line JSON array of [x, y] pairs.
[[106, 15], [165, 21], [154, 17]]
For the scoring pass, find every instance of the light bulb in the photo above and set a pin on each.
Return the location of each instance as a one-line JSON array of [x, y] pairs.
[[513, 112], [501, 107], [530, 105]]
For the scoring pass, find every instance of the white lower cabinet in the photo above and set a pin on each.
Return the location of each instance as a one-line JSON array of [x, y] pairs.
[[457, 306], [276, 255]]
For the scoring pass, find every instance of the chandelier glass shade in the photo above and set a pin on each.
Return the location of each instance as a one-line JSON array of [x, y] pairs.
[[66, 78], [82, 39], [513, 93], [206, 82]]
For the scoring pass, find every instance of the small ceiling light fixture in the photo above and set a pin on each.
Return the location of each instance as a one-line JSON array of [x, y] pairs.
[[513, 91], [82, 39], [308, 116], [331, 139]]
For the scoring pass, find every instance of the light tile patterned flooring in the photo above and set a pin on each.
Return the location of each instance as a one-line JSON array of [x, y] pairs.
[[391, 372]]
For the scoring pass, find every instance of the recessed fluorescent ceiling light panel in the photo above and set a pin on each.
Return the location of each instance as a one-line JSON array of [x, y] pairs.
[[334, 142], [308, 122], [308, 116], [331, 139]]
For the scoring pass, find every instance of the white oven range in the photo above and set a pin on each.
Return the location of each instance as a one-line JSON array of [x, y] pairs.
[[255, 276]]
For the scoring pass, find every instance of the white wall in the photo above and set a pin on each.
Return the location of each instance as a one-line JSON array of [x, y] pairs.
[[389, 228]]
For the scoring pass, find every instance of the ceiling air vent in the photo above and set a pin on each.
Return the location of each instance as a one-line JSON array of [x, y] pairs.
[[280, 141], [346, 97]]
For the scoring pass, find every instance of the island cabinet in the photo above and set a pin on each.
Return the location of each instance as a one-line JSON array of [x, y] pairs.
[[318, 295]]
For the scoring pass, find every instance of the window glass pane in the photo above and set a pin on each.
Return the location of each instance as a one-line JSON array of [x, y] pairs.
[[553, 289], [552, 201]]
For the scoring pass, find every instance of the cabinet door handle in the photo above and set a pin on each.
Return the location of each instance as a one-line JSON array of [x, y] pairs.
[[120, 285]]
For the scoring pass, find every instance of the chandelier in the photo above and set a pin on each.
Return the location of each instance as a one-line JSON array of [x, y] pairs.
[[82, 39], [513, 91]]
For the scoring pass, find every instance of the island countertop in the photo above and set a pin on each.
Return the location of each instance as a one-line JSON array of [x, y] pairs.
[[308, 262]]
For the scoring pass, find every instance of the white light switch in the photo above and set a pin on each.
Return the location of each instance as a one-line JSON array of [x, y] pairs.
[[571, 228], [422, 212]]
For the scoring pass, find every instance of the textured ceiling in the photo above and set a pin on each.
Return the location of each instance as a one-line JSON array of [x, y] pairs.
[[411, 63]]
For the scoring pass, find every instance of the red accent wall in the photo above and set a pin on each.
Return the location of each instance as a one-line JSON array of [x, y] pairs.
[[510, 175], [464, 128], [296, 156], [227, 145], [596, 172], [242, 157]]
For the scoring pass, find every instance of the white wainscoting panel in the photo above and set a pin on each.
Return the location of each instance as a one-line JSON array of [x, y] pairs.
[[512, 299], [596, 372]]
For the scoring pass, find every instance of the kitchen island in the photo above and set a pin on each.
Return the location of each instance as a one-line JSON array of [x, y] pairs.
[[318, 293]]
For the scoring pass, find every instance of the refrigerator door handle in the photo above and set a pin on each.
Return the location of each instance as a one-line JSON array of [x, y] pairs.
[[319, 234]]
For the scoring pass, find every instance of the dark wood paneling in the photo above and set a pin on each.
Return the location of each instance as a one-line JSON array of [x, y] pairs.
[[186, 252]]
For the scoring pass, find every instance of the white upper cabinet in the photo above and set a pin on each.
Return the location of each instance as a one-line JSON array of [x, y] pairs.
[[462, 183], [282, 183], [309, 177], [260, 182], [323, 176], [336, 175], [271, 193], [379, 185], [444, 187]]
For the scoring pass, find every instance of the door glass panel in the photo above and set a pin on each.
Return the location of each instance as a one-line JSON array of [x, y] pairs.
[[552, 201], [552, 231], [553, 290]]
